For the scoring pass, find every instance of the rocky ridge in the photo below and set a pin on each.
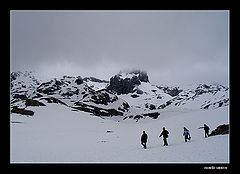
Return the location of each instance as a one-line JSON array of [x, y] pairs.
[[127, 94]]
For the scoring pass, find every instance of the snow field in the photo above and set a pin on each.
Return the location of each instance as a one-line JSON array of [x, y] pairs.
[[56, 134]]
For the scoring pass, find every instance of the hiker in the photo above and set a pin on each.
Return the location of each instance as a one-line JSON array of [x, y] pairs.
[[144, 140], [186, 134], [206, 130], [164, 133]]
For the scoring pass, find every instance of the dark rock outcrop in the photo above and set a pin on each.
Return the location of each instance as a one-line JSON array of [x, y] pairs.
[[139, 91], [220, 130], [79, 80], [152, 107], [171, 91], [103, 97], [17, 110], [220, 103], [134, 95], [153, 115], [125, 85], [93, 79], [31, 102], [20, 96], [53, 100], [94, 102], [96, 110], [49, 87]]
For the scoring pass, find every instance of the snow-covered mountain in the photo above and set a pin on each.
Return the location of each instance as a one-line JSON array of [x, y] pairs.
[[127, 94], [125, 82], [86, 94], [75, 119], [23, 84], [143, 97], [199, 96]]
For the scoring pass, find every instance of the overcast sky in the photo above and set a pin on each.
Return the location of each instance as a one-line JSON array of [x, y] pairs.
[[174, 47]]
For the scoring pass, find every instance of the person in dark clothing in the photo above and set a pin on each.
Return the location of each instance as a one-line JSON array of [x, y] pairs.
[[164, 133], [206, 130], [144, 140], [186, 134]]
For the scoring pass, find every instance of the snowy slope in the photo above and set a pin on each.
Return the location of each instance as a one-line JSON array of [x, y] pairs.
[[199, 96], [95, 84], [134, 94], [151, 95], [88, 122], [23, 83], [58, 134], [86, 94], [143, 97]]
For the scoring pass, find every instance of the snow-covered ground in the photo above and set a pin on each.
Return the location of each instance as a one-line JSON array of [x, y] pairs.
[[57, 134]]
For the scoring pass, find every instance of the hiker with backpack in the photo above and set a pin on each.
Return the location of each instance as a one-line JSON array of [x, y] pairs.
[[144, 140], [164, 133], [206, 130], [186, 134]]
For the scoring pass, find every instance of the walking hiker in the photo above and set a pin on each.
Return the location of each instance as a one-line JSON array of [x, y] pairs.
[[186, 134], [164, 133], [206, 130], [144, 140]]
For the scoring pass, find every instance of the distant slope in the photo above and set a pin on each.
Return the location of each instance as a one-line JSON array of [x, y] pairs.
[[127, 94]]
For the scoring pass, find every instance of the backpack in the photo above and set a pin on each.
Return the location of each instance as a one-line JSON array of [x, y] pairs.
[[206, 128], [186, 132], [167, 134]]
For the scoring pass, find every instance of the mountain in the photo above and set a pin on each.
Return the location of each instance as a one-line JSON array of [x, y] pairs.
[[143, 97], [124, 83], [86, 94], [23, 84], [75, 119], [199, 96], [127, 94]]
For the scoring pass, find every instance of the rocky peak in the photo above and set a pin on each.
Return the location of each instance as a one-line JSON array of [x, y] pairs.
[[124, 82], [23, 83], [141, 75]]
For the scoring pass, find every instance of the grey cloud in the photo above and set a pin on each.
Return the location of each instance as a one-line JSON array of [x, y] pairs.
[[172, 46]]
